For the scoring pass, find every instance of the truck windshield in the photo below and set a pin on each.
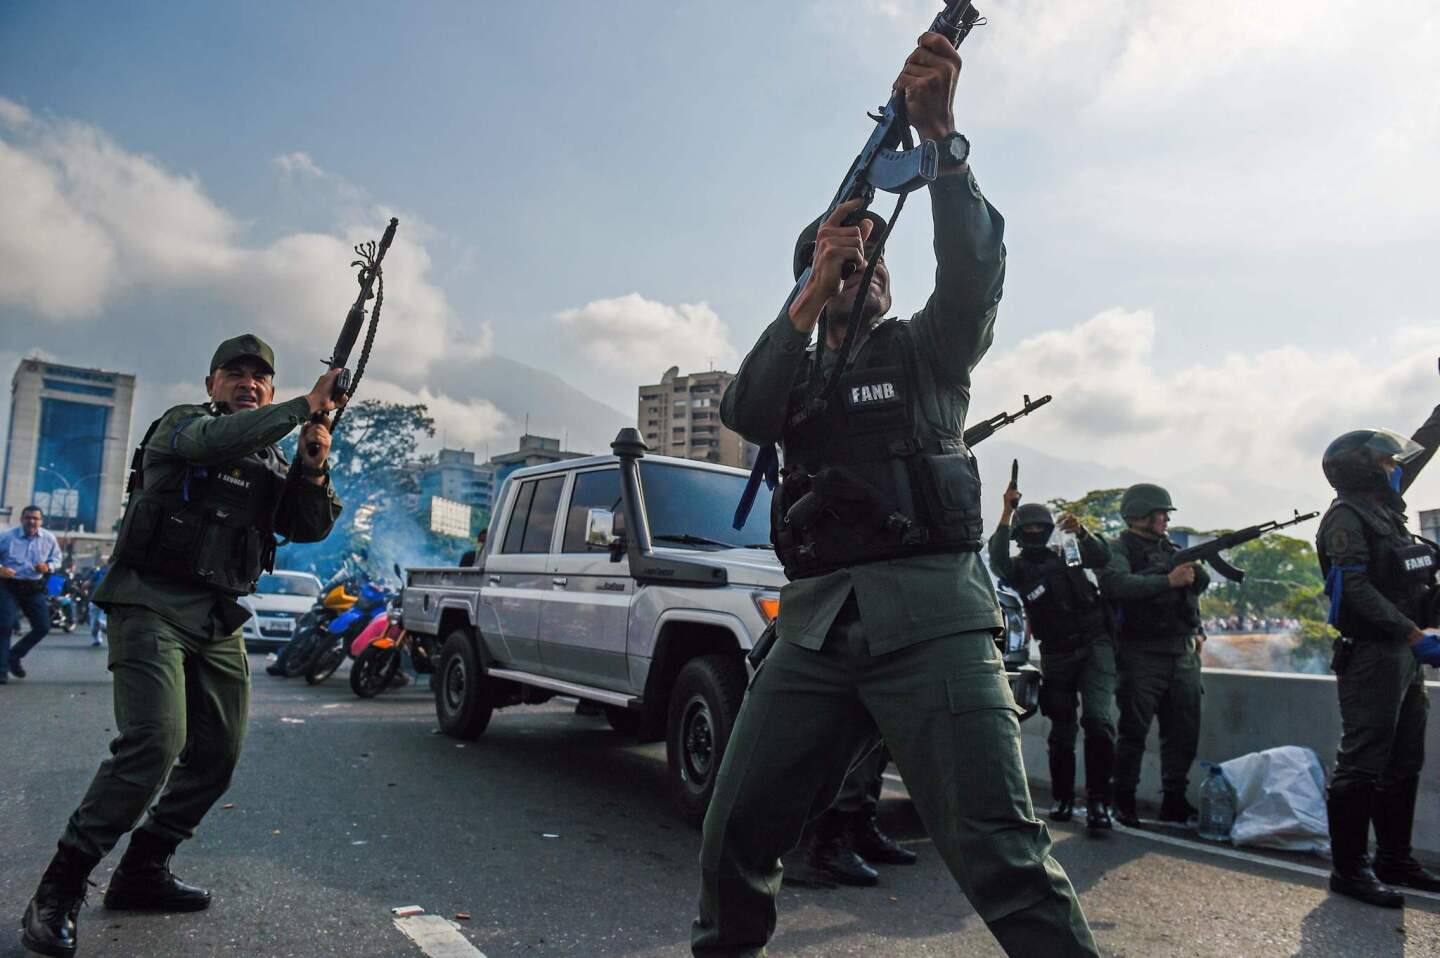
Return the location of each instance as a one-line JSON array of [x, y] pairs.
[[686, 506]]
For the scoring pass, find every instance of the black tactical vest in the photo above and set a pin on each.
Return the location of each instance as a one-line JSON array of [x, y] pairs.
[[215, 528], [1061, 603], [868, 477], [1402, 567], [1174, 612]]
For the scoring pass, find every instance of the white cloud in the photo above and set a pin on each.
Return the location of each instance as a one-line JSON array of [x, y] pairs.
[[298, 162], [1262, 418], [644, 337], [466, 422], [90, 223]]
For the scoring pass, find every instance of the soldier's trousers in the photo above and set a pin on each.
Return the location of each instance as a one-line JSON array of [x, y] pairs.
[[181, 701], [1083, 679], [945, 711], [1383, 711], [860, 792], [1157, 685]]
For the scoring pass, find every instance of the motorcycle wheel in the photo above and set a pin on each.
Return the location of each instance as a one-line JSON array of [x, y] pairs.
[[302, 651], [326, 663], [373, 672]]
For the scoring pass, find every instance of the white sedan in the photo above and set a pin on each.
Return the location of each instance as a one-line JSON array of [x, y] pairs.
[[279, 599]]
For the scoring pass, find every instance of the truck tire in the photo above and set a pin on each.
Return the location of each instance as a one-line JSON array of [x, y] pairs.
[[703, 705], [463, 704]]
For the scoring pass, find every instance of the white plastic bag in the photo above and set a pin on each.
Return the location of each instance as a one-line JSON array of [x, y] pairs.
[[1280, 800]]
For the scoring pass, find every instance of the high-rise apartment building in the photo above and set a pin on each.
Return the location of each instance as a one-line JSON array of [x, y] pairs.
[[67, 444], [455, 475], [680, 416]]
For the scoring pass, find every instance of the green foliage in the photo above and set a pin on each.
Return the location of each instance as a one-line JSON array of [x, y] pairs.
[[1098, 509], [1282, 579]]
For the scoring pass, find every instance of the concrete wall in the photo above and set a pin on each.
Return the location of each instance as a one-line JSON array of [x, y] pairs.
[[1250, 711]]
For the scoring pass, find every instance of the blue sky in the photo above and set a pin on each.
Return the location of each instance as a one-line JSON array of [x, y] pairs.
[[1221, 222]]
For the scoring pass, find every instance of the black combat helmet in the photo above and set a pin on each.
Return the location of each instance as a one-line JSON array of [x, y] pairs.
[[1352, 463], [1032, 514], [1144, 498]]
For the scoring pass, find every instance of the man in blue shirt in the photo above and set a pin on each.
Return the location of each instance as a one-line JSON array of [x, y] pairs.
[[28, 553]]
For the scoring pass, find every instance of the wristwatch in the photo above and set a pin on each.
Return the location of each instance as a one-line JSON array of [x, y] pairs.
[[954, 150]]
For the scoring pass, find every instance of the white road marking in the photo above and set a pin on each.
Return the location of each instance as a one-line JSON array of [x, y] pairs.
[[437, 937]]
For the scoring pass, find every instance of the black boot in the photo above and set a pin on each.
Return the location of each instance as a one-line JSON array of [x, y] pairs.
[[1097, 815], [144, 882], [1395, 864], [1124, 810], [1350, 873], [832, 854], [49, 925], [1175, 808], [873, 845], [1062, 784]]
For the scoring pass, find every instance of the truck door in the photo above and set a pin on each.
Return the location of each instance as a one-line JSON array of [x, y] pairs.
[[517, 578], [585, 616]]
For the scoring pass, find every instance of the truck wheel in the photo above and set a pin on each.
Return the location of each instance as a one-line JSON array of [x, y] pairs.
[[703, 706], [462, 695]]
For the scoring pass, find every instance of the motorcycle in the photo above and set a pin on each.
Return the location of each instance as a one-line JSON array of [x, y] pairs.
[[309, 639], [380, 649], [341, 631], [63, 615]]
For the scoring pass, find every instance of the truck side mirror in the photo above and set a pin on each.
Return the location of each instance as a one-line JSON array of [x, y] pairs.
[[600, 528]]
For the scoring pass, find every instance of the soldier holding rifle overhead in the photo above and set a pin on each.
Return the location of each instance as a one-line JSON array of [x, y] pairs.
[[888, 623]]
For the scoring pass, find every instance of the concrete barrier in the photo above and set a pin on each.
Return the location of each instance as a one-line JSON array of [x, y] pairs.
[[1250, 711]]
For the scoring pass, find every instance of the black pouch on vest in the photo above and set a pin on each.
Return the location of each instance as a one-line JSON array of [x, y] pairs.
[[1342, 650], [950, 484]]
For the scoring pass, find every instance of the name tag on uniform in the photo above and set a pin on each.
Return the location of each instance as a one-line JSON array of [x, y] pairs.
[[1036, 593], [868, 395]]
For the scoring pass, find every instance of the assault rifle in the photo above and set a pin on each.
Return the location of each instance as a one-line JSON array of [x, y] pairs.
[[888, 161], [984, 430], [1210, 551], [371, 254]]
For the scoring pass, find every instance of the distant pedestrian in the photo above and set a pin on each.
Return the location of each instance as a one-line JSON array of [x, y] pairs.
[[97, 614], [27, 554]]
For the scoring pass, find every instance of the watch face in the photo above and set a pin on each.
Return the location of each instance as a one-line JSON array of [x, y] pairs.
[[957, 148]]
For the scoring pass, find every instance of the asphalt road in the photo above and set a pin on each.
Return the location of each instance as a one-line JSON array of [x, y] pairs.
[[553, 834]]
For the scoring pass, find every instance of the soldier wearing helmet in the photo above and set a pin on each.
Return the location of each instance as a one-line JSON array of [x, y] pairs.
[[1077, 651], [1381, 583], [1158, 618]]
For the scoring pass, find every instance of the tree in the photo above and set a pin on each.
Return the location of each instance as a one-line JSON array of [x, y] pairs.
[[1098, 509], [1277, 569], [375, 469]]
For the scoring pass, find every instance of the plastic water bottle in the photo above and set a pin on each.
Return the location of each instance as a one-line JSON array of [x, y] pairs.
[[1070, 548], [1217, 807]]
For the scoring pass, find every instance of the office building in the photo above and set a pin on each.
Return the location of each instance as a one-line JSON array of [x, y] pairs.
[[456, 476], [533, 451], [680, 416], [67, 444]]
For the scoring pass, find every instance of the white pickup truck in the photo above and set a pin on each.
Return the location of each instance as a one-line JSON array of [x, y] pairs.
[[619, 580]]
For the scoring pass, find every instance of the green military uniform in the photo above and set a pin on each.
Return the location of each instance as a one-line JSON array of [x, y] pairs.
[[1381, 582], [1078, 665], [903, 645], [181, 677], [1158, 662]]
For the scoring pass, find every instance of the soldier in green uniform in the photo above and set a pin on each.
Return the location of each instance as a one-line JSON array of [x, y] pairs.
[[848, 841], [1158, 618], [1077, 650], [889, 620], [209, 492], [1381, 583]]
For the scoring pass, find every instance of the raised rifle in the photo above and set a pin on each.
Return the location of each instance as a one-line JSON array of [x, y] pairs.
[[1210, 551], [372, 286], [984, 430]]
